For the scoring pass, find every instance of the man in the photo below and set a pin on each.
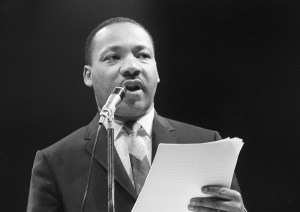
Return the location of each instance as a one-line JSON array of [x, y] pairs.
[[118, 51]]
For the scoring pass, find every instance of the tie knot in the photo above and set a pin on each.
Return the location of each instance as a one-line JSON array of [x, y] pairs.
[[132, 127]]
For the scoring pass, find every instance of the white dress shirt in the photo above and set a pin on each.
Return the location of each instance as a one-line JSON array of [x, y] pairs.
[[121, 143]]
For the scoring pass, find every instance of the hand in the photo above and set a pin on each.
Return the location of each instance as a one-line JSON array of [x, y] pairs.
[[222, 199]]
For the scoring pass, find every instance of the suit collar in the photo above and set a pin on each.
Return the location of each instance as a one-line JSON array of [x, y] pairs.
[[162, 132], [100, 155], [92, 128]]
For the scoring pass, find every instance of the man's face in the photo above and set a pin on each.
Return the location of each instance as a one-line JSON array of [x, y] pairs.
[[123, 53]]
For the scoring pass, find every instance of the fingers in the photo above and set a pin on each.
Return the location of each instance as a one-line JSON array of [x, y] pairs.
[[201, 209], [222, 199], [208, 204], [222, 192]]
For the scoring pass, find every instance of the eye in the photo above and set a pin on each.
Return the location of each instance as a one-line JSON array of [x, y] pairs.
[[111, 58], [143, 55]]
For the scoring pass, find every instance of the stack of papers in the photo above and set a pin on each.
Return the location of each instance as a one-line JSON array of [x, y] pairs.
[[179, 171]]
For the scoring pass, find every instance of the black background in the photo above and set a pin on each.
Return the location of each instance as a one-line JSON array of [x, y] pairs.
[[227, 65]]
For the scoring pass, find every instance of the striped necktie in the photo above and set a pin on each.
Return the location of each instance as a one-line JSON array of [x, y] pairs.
[[138, 156]]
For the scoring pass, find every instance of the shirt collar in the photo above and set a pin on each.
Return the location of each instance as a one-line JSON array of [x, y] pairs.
[[146, 121]]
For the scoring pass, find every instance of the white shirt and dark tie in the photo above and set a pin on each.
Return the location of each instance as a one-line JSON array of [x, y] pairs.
[[141, 147]]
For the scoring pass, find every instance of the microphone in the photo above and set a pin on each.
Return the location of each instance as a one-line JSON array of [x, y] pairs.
[[112, 103]]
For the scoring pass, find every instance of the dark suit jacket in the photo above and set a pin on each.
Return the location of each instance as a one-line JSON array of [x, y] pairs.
[[60, 172]]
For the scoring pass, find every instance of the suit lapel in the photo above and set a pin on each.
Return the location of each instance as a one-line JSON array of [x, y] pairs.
[[100, 156], [162, 132]]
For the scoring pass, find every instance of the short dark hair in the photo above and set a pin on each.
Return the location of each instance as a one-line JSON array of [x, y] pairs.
[[89, 41]]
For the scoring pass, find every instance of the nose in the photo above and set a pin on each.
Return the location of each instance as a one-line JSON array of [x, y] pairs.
[[130, 67]]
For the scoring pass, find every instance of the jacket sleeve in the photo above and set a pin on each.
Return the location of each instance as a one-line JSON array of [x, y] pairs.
[[43, 193]]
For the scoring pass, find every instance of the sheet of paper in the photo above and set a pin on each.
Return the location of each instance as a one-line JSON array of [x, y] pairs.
[[179, 171]]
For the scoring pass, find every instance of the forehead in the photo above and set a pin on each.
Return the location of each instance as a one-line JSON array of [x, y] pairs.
[[122, 34]]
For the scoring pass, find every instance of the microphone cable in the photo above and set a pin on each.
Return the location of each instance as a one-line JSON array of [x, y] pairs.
[[90, 170]]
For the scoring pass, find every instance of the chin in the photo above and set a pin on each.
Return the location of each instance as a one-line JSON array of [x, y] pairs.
[[132, 110]]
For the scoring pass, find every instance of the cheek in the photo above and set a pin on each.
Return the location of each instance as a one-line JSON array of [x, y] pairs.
[[152, 74], [99, 78], [154, 79], [99, 84], [104, 82]]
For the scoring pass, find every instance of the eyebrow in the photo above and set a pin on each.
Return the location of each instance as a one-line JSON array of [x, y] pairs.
[[116, 48]]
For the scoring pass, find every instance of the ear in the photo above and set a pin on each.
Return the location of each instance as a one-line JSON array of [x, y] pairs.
[[87, 75], [158, 79]]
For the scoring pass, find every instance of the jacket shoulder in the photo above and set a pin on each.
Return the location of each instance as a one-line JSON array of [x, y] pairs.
[[75, 141], [72, 142], [193, 133]]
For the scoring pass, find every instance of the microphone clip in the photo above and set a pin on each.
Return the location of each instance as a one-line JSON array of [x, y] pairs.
[[105, 114]]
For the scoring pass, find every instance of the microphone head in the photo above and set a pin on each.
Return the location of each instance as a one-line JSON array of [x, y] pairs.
[[112, 103], [120, 90]]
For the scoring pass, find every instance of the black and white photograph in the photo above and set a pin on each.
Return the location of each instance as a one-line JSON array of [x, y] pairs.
[[149, 106]]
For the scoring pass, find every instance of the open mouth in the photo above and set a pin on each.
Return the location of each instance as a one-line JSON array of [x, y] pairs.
[[132, 88], [133, 85]]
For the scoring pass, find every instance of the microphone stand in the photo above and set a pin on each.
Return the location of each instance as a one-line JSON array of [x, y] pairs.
[[111, 164], [107, 112]]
